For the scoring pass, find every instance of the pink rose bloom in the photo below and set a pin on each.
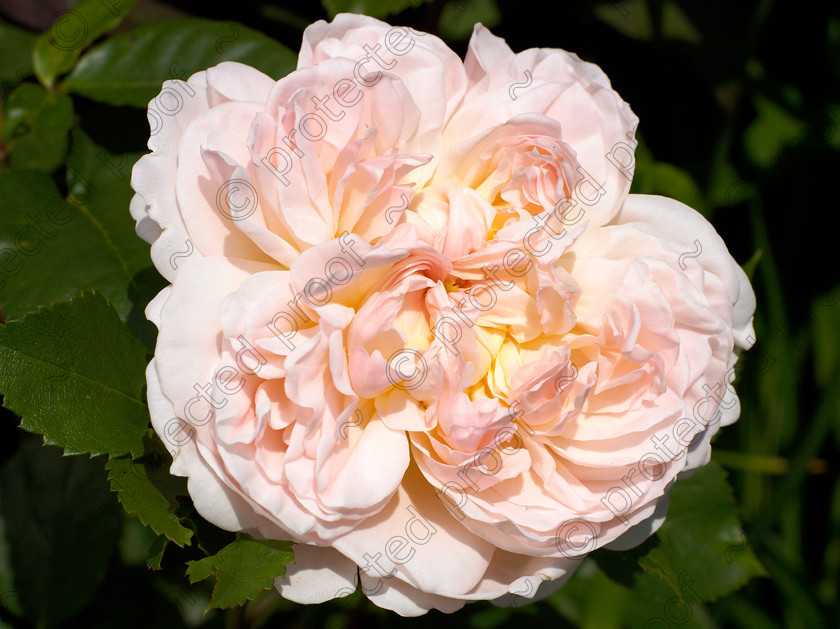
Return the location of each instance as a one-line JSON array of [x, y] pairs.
[[417, 324]]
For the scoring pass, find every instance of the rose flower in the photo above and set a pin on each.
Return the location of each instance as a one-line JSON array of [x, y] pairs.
[[416, 322]]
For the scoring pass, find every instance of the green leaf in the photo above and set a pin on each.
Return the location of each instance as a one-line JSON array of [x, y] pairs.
[[670, 181], [590, 597], [242, 569], [75, 374], [750, 265], [676, 25], [71, 31], [632, 18], [64, 524], [16, 52], [725, 186], [653, 177], [130, 68], [135, 541], [698, 555], [601, 594], [373, 8], [702, 536], [209, 538], [35, 127], [457, 19], [146, 489], [99, 187], [773, 130], [49, 250], [155, 557], [609, 609]]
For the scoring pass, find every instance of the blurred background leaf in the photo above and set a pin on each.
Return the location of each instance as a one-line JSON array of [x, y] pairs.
[[64, 524], [16, 52], [130, 68], [373, 8], [35, 128], [71, 31], [457, 19]]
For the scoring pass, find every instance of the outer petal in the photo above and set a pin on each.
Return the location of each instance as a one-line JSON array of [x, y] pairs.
[[185, 355], [639, 533], [512, 580], [319, 574], [153, 177], [404, 599], [678, 223], [213, 499]]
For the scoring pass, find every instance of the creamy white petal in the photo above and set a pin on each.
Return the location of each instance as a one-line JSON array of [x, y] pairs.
[[318, 574]]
